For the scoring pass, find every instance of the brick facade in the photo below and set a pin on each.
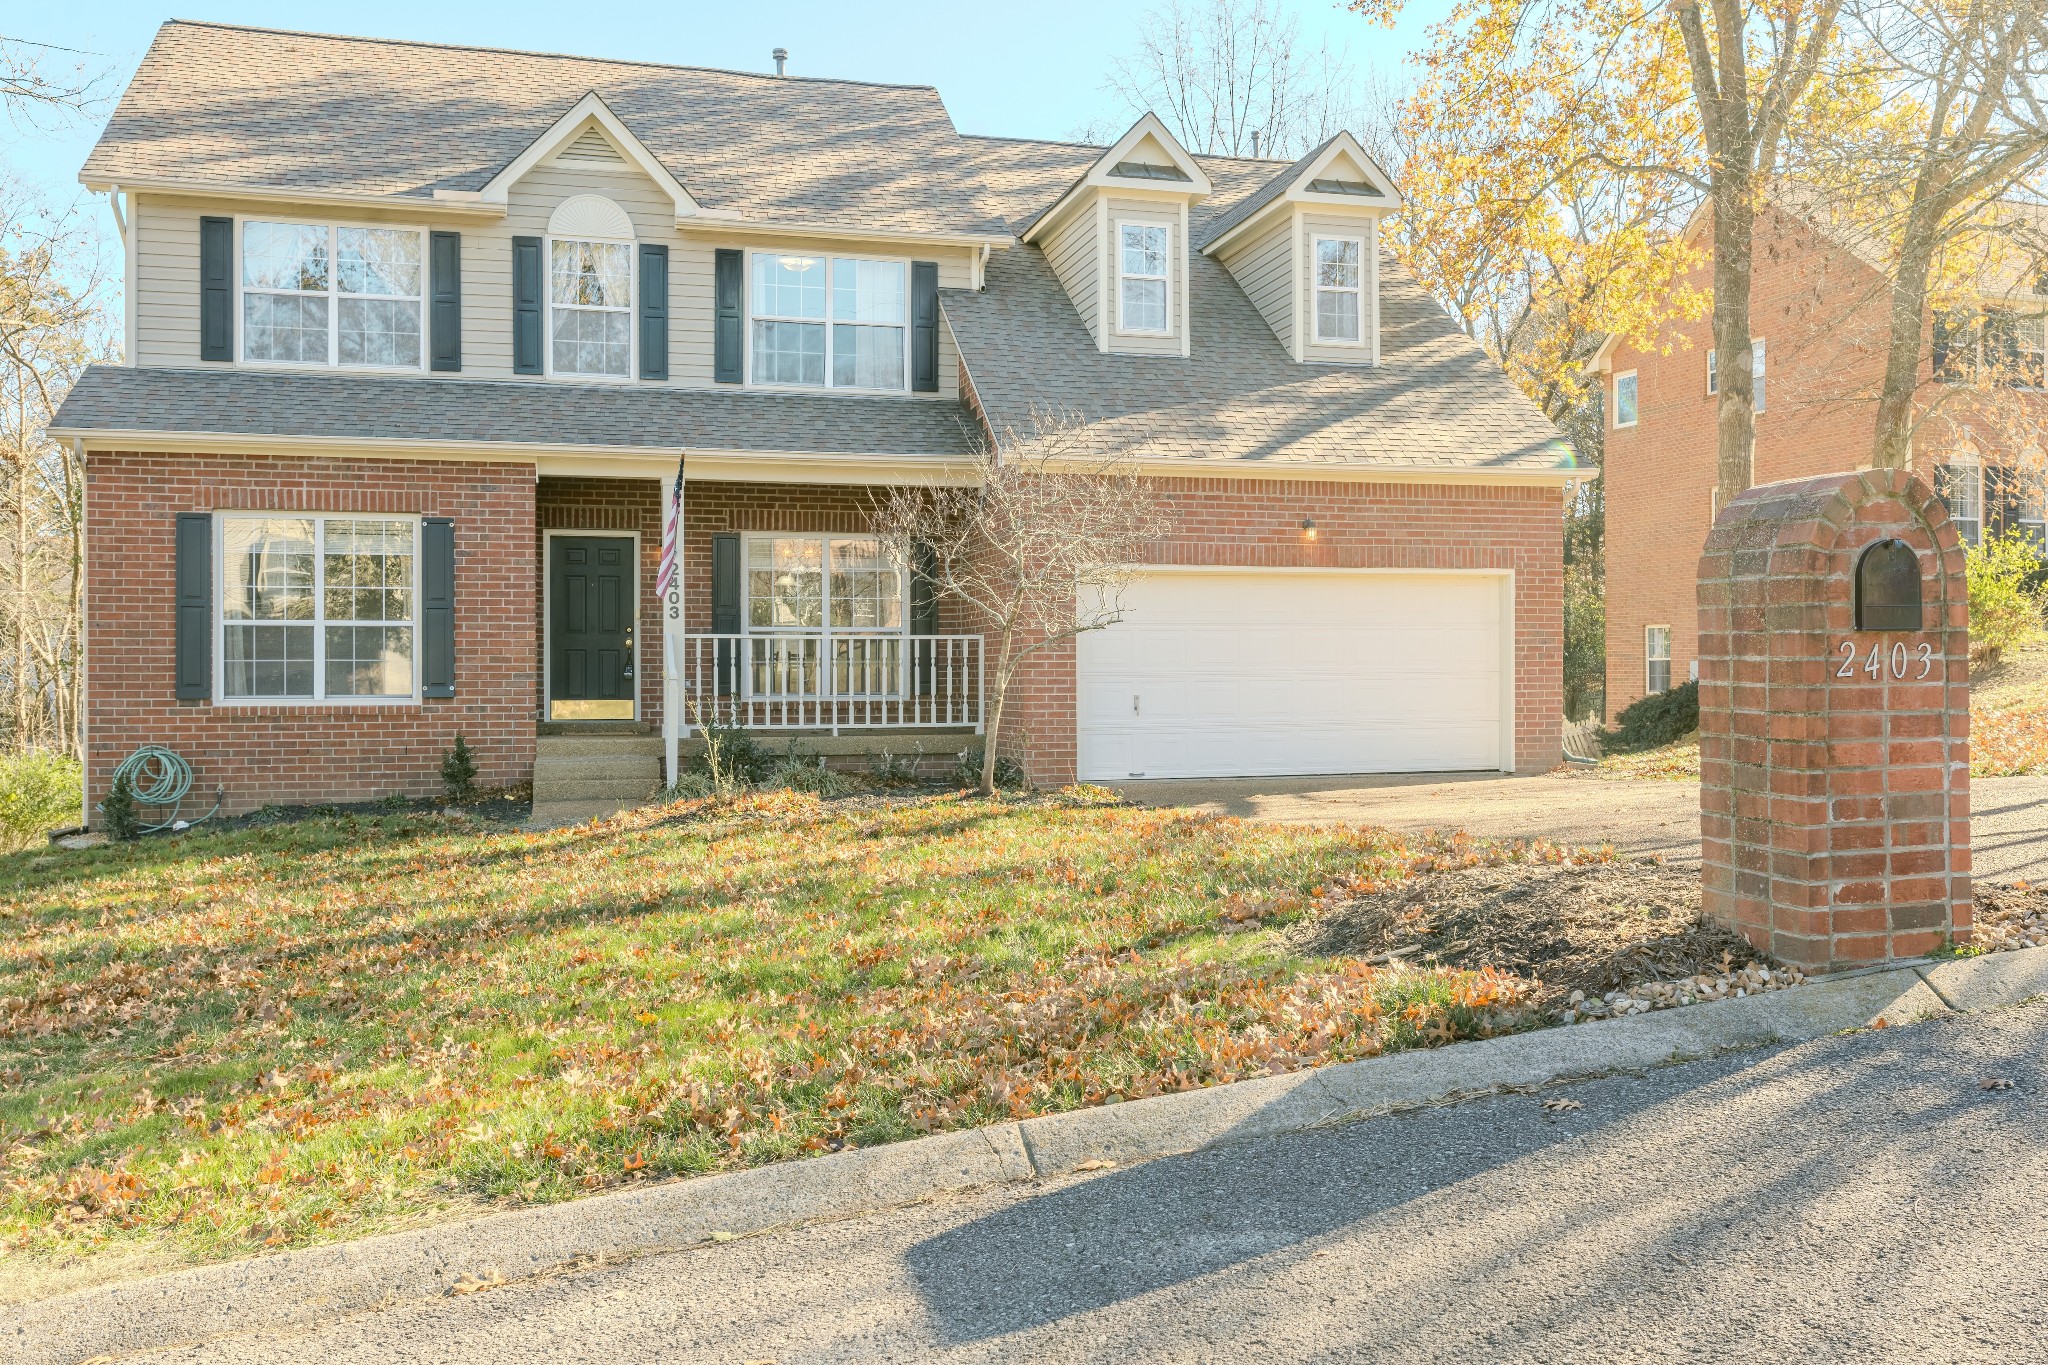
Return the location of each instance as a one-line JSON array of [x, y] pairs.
[[278, 754], [1834, 810], [1822, 316], [264, 754]]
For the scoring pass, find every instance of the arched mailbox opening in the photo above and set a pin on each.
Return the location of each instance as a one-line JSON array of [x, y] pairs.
[[1888, 587]]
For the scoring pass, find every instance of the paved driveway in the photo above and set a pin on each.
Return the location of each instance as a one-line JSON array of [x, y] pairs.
[[1857, 1198], [2009, 830]]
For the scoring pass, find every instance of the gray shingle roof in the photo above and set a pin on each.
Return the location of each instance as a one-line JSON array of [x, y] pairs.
[[1220, 223], [376, 408], [231, 106], [1436, 401]]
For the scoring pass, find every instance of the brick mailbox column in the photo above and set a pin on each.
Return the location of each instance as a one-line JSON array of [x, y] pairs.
[[1834, 739]]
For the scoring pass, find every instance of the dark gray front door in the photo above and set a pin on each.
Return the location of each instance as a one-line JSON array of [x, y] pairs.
[[590, 628]]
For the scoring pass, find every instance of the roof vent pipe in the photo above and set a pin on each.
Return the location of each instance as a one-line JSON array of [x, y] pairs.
[[781, 55], [1255, 142]]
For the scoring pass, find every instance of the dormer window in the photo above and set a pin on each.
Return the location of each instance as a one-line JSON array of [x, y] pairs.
[[1143, 254], [1340, 290]]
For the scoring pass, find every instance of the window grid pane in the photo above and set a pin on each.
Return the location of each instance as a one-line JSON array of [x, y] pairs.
[[317, 600]]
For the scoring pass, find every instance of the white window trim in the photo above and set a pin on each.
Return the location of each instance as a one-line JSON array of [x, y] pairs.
[[1758, 375], [1757, 368], [319, 620], [825, 628], [631, 310], [1649, 633], [1116, 251], [1713, 375], [547, 611], [333, 294], [828, 321], [1618, 424], [1361, 342]]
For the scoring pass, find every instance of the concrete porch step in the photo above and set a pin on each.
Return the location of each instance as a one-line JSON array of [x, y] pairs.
[[625, 768], [614, 791], [588, 746]]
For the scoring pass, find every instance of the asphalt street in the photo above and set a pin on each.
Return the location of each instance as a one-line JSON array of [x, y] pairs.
[[1866, 1197]]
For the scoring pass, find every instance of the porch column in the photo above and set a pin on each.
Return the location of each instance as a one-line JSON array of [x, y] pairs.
[[672, 719]]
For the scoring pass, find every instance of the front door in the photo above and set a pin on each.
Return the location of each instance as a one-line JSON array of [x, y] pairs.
[[590, 628]]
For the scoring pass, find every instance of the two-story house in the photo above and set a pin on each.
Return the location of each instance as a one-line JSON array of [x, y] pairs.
[[417, 337], [1820, 310]]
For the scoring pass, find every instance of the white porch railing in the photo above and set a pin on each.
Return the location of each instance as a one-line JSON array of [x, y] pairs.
[[829, 680]]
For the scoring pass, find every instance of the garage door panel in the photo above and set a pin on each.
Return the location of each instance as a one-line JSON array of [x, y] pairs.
[[1265, 674]]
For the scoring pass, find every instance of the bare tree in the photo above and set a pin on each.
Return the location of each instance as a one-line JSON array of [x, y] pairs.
[[38, 86], [1227, 72], [1036, 548]]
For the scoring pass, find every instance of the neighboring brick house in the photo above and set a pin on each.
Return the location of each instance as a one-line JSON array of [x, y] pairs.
[[416, 336], [1820, 314]]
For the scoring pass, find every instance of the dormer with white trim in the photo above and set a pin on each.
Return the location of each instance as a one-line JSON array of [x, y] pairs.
[[1118, 240], [1305, 248]]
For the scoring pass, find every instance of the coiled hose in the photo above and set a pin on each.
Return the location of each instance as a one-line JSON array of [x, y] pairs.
[[158, 777]]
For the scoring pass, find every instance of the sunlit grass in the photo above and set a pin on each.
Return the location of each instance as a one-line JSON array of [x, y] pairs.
[[275, 1035]]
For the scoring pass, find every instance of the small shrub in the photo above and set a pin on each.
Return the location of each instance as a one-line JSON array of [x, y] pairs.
[[38, 793], [2005, 604], [118, 810], [889, 769], [458, 771], [802, 772], [731, 758], [967, 771], [1655, 720], [689, 786]]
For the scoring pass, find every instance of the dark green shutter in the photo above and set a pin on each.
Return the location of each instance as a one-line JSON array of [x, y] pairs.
[[725, 604], [526, 328], [653, 311], [729, 327], [924, 613], [216, 289], [193, 665], [444, 317], [924, 327], [437, 607]]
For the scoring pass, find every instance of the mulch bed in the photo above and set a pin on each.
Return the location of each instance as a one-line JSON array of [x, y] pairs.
[[1591, 927], [2009, 915]]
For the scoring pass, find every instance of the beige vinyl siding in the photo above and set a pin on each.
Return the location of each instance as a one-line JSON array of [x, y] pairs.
[[1264, 268], [167, 289], [1314, 225], [166, 282], [1074, 252], [1167, 216]]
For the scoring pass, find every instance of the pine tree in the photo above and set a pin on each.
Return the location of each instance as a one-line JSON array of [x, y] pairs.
[[458, 771], [119, 810]]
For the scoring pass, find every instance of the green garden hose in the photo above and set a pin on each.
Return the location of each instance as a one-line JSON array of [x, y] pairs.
[[158, 777]]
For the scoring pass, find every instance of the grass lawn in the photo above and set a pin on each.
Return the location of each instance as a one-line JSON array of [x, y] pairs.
[[275, 1035]]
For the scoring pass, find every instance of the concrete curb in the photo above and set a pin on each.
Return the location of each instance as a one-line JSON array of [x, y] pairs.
[[293, 1288]]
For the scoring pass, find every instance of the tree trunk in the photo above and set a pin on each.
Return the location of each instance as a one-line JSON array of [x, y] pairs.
[[1005, 667], [1892, 447], [1734, 358]]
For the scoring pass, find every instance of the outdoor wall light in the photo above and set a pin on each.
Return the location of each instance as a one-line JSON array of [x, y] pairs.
[[1308, 528]]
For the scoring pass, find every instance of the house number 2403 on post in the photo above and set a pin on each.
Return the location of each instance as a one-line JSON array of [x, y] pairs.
[[1899, 661]]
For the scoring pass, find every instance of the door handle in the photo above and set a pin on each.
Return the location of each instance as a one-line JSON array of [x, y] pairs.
[[1134, 703]]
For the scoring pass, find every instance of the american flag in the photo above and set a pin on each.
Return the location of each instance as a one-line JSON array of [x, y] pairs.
[[671, 533]]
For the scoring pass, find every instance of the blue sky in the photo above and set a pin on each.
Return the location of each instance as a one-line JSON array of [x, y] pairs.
[[997, 72]]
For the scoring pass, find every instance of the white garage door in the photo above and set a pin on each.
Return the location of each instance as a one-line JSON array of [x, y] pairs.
[[1255, 674]]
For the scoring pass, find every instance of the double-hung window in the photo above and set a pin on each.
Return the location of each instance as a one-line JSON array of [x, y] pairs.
[[316, 294], [1625, 399], [831, 322], [814, 601], [1657, 659], [1756, 371], [590, 308], [1340, 289], [1143, 260], [1961, 485], [316, 608]]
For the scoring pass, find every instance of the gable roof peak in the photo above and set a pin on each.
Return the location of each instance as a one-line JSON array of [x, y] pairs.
[[1337, 173], [587, 113]]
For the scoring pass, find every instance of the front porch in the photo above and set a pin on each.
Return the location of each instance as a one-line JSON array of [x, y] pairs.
[[793, 626]]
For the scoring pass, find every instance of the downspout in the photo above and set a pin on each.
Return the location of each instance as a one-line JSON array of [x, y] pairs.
[[84, 678]]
